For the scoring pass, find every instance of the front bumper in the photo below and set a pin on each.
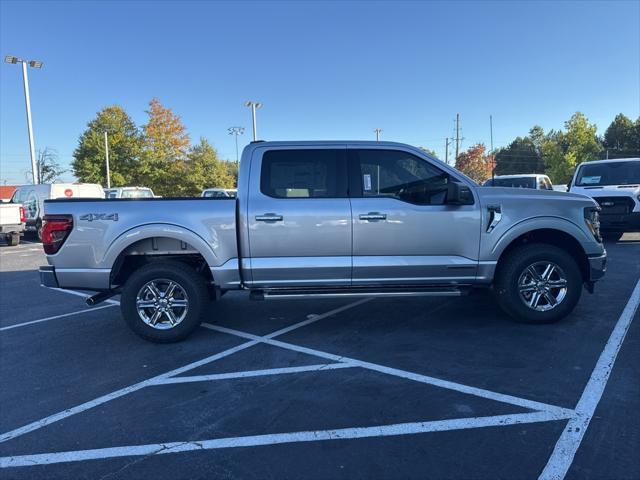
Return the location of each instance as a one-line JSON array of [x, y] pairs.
[[629, 222], [48, 276], [597, 267]]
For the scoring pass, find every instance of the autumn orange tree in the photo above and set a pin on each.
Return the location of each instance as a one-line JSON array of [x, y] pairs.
[[475, 163], [164, 151]]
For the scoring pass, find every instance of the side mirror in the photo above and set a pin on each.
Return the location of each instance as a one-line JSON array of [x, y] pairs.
[[459, 194], [569, 186]]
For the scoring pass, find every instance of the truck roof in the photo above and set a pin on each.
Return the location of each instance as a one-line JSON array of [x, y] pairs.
[[611, 160], [288, 143]]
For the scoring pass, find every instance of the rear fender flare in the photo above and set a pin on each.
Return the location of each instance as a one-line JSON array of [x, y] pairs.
[[157, 230]]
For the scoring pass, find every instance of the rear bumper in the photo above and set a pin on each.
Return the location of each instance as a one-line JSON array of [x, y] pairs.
[[75, 278], [629, 222], [13, 228], [48, 276], [597, 267]]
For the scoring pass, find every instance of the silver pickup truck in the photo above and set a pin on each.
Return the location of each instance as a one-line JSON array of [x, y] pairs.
[[327, 219]]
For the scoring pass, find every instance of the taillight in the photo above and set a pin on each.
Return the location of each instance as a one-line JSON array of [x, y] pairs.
[[55, 230], [23, 217]]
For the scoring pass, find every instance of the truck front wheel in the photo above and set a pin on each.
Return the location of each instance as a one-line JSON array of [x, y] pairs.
[[538, 283], [163, 302]]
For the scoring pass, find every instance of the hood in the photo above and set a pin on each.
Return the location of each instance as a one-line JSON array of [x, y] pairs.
[[609, 191], [499, 194]]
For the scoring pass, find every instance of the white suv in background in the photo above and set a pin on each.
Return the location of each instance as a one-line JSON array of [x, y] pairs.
[[615, 185], [526, 180]]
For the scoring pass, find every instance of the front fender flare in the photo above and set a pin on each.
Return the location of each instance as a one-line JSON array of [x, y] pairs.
[[540, 223]]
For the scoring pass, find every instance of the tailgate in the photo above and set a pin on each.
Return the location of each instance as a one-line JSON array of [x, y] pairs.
[[10, 214]]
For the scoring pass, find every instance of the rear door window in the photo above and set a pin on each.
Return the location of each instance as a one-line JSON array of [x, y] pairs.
[[304, 174]]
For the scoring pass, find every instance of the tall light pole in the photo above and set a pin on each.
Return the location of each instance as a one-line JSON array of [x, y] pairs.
[[378, 132], [106, 158], [27, 101], [236, 131], [254, 106]]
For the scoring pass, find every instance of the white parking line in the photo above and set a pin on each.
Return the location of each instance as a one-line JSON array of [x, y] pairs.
[[569, 442], [560, 412], [21, 250], [38, 424], [277, 438], [255, 373], [55, 317]]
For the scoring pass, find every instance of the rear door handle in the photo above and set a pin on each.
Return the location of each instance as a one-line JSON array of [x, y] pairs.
[[269, 217], [373, 216]]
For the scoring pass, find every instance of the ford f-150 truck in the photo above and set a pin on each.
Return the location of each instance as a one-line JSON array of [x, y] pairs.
[[327, 219]]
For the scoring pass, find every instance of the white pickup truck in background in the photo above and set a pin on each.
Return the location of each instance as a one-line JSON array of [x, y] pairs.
[[12, 220]]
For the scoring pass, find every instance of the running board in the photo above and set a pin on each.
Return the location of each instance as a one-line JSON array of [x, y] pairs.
[[346, 292]]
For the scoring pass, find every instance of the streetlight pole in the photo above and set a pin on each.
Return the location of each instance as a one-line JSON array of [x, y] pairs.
[[27, 101], [378, 132], [236, 131], [254, 106], [106, 158]]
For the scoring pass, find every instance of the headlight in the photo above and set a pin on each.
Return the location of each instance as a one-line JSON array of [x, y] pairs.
[[592, 220]]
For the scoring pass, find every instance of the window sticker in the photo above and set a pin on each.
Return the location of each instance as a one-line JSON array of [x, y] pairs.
[[591, 180], [367, 182]]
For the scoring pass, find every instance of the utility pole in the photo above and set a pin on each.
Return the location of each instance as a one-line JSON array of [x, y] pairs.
[[236, 131], [106, 158], [27, 101], [378, 132], [253, 105], [457, 135], [446, 150]]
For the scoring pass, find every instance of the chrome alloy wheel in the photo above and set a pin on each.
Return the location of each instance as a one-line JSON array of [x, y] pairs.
[[162, 303], [542, 286]]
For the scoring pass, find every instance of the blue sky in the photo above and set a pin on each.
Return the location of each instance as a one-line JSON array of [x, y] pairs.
[[324, 70]]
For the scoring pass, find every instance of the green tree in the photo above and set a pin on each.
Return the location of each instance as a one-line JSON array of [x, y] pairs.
[[428, 151], [475, 163], [164, 152], [521, 156], [124, 148], [562, 151], [203, 169], [620, 138]]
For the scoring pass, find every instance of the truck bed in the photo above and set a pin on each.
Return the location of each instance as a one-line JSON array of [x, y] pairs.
[[103, 229]]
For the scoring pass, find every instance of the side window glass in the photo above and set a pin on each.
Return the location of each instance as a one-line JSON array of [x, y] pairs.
[[400, 175], [31, 204], [304, 174]]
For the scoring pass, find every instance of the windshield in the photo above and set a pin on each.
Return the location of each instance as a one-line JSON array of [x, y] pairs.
[[613, 173], [141, 193], [516, 182]]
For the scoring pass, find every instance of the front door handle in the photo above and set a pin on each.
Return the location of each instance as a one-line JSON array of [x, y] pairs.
[[373, 216], [269, 217]]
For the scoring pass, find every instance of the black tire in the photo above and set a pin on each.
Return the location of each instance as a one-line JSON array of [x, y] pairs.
[[13, 239], [189, 280], [515, 264], [612, 236], [39, 230]]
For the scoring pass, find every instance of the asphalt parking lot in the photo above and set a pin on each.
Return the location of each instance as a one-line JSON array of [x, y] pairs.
[[375, 388]]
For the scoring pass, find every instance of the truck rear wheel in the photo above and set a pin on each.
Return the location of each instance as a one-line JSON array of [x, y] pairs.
[[538, 283], [13, 239], [163, 302]]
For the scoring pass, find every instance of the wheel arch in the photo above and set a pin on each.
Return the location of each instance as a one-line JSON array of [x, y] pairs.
[[550, 236], [152, 243]]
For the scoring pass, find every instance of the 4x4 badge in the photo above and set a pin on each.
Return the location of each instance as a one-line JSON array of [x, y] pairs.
[[90, 217]]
